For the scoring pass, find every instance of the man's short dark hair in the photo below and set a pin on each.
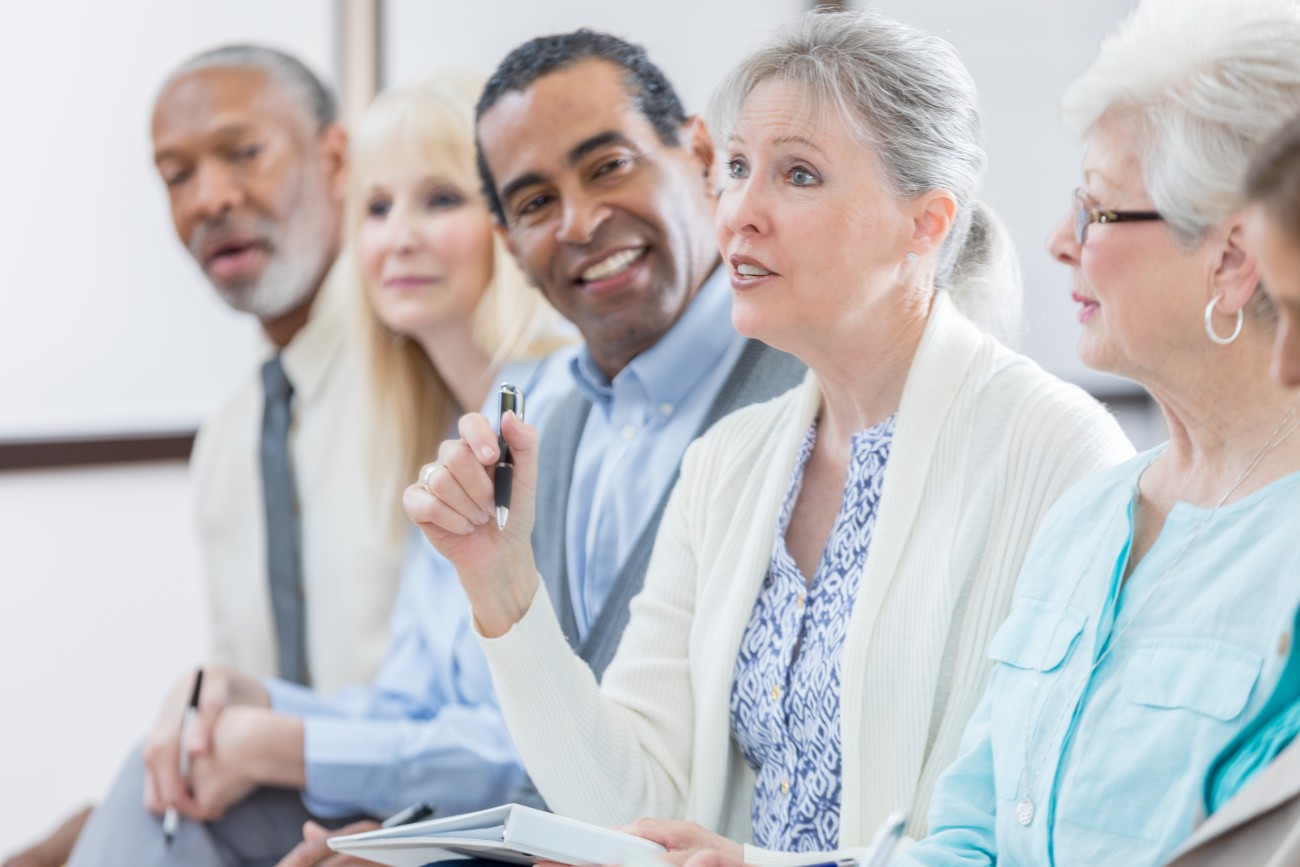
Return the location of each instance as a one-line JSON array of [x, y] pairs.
[[651, 93]]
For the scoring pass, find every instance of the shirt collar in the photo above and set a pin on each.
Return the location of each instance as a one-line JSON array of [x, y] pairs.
[[670, 368], [311, 353]]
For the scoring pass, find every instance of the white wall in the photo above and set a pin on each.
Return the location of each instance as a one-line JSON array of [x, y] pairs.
[[105, 323], [101, 612], [694, 42], [1022, 54]]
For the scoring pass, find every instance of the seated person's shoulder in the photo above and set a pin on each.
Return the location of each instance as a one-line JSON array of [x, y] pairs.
[[736, 440]]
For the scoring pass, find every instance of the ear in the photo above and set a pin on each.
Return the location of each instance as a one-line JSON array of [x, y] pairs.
[[1236, 273], [698, 142], [332, 149], [932, 216]]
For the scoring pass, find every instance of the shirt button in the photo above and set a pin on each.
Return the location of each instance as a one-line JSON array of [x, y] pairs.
[[800, 598], [1284, 644], [785, 787], [776, 693], [628, 433], [666, 408]]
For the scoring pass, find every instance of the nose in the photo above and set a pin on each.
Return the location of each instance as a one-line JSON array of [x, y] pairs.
[[742, 208], [583, 214], [402, 234], [1286, 349], [216, 191], [1062, 245]]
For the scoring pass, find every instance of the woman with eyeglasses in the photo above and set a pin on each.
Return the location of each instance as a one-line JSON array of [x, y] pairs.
[[1152, 617]]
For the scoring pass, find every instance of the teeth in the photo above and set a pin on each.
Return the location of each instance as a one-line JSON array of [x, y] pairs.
[[751, 271], [612, 266]]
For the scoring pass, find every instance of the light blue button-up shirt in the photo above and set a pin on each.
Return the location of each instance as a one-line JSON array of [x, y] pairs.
[[1110, 698], [639, 427], [428, 727]]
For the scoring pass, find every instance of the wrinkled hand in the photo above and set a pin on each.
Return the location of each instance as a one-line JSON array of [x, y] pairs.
[[222, 688], [457, 514], [687, 841], [313, 849]]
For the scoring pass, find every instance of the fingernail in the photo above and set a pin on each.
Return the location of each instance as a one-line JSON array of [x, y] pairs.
[[486, 453]]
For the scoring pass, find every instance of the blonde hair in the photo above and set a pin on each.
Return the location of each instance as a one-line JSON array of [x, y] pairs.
[[431, 124]]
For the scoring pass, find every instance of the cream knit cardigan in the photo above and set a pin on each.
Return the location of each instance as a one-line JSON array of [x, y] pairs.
[[984, 442]]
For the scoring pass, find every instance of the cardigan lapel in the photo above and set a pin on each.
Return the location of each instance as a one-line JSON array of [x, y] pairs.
[[939, 371], [741, 567]]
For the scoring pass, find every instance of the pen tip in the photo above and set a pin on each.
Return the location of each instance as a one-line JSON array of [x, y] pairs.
[[502, 514]]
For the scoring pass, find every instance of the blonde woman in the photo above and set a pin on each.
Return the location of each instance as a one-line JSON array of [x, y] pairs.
[[445, 309], [445, 305]]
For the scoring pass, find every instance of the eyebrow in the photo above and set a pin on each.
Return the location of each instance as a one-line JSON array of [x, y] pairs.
[[785, 139], [575, 155]]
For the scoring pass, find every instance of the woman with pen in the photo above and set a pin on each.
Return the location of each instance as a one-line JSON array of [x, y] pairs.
[[811, 637]]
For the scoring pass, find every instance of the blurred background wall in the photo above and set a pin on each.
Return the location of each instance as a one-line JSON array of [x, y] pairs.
[[112, 346]]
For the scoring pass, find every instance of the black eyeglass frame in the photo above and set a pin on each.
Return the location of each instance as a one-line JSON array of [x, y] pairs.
[[1086, 213]]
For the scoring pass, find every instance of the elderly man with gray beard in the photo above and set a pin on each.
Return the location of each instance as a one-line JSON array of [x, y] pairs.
[[299, 571]]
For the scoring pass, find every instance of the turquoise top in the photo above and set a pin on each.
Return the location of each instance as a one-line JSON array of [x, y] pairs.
[[1260, 742], [1110, 698]]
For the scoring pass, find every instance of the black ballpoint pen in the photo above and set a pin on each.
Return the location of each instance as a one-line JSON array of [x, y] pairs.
[[512, 400]]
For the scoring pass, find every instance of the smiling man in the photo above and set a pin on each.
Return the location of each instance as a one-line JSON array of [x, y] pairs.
[[603, 189]]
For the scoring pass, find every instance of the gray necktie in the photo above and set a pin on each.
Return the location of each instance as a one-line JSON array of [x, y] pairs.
[[283, 554]]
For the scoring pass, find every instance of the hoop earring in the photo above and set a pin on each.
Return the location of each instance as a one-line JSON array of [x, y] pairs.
[[1209, 323]]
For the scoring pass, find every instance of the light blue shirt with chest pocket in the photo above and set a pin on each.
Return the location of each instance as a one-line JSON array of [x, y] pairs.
[[1110, 697]]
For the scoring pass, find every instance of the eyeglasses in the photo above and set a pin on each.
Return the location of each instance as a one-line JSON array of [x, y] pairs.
[[1086, 213]]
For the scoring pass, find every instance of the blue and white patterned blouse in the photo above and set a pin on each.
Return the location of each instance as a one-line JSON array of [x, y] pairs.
[[785, 701]]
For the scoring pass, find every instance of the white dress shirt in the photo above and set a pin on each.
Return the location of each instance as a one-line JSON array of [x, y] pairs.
[[349, 563]]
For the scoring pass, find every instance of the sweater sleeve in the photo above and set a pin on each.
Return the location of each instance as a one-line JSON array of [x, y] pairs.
[[609, 753]]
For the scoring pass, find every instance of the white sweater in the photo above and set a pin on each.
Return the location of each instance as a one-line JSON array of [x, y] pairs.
[[984, 442]]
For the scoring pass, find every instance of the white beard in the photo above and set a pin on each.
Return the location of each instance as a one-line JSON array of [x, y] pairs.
[[299, 255]]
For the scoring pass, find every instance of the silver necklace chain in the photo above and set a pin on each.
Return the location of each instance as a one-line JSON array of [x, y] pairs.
[[1025, 808]]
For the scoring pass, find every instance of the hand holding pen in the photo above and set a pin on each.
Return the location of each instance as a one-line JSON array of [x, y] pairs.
[[455, 502], [511, 400], [171, 819]]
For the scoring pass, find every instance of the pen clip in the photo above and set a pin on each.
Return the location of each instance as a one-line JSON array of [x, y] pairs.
[[511, 400]]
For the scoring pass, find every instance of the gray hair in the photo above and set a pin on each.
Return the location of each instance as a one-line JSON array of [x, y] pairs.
[[907, 96], [285, 72], [1208, 81]]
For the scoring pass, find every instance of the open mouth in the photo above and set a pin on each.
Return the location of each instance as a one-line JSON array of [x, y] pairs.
[[747, 270], [233, 258], [612, 266]]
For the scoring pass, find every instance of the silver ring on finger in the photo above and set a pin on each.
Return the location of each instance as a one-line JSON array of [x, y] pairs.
[[426, 475]]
